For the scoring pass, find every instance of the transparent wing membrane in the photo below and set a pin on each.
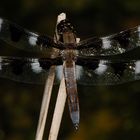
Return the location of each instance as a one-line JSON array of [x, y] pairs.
[[112, 45], [33, 71], [108, 60], [104, 72], [95, 72], [15, 36]]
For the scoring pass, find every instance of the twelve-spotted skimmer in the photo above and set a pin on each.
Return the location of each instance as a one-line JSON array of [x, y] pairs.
[[96, 61]]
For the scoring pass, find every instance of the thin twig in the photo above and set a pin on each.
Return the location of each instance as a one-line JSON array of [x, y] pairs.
[[45, 103], [58, 112], [46, 100], [61, 98]]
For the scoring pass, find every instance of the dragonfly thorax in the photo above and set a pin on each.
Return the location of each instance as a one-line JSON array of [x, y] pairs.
[[69, 54]]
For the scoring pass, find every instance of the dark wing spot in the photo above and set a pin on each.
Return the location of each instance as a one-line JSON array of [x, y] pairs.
[[91, 64], [16, 33], [47, 63], [123, 38], [118, 68], [93, 44], [17, 66], [97, 45], [44, 41]]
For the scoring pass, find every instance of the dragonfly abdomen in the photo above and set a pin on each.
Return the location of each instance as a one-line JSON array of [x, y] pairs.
[[71, 88]]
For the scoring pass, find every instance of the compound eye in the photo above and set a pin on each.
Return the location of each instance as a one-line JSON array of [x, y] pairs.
[[64, 26]]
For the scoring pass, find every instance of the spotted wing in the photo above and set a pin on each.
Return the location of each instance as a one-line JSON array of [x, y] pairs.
[[107, 72], [15, 36], [25, 70], [91, 72], [117, 44]]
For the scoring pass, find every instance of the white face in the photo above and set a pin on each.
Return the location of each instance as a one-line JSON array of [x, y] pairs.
[[61, 17]]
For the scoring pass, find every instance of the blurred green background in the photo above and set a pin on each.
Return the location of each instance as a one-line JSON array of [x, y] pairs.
[[106, 112]]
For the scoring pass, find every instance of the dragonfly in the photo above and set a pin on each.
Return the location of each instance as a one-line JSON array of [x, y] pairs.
[[109, 60]]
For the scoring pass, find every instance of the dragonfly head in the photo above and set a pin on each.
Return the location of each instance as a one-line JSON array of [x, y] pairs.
[[65, 26], [66, 33]]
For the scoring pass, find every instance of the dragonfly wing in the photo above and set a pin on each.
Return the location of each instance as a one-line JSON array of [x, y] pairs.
[[106, 72], [113, 45], [16, 36], [34, 71]]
